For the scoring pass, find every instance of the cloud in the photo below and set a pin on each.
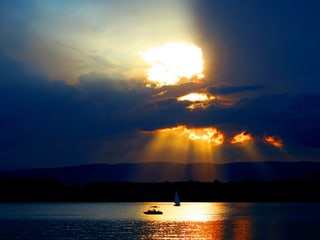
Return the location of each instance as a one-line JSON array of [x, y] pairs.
[[67, 40], [227, 90], [51, 123], [301, 121], [100, 117], [294, 117]]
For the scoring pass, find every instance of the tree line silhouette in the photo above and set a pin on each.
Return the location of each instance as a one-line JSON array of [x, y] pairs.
[[45, 189]]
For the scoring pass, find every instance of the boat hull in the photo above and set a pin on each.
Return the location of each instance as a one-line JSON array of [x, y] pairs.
[[153, 213]]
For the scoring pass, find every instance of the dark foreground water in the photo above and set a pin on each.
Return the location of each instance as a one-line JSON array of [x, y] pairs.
[[189, 221]]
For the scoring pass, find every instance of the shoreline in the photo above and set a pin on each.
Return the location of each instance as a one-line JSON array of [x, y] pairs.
[[50, 190]]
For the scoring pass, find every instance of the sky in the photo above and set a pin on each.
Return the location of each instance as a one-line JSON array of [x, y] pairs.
[[185, 81]]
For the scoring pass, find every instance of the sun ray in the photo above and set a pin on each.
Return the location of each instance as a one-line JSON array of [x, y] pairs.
[[184, 144]]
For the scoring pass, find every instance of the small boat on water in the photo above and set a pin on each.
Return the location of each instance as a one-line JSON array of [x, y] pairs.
[[153, 210], [176, 200]]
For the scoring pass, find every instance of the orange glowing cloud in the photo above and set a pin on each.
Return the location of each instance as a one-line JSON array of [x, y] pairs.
[[273, 140], [241, 138], [207, 134], [211, 135]]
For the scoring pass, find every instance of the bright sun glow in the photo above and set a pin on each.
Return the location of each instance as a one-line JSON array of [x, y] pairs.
[[200, 100], [173, 63], [196, 97]]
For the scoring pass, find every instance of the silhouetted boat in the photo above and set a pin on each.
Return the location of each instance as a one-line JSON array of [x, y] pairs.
[[153, 210], [176, 200]]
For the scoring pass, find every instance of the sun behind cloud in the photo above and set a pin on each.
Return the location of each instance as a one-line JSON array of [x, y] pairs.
[[195, 97], [210, 135], [199, 100], [173, 63]]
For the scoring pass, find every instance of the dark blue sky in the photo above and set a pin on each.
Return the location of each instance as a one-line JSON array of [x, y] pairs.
[[73, 86]]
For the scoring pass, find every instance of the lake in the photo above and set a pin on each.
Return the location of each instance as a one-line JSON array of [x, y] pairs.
[[192, 220]]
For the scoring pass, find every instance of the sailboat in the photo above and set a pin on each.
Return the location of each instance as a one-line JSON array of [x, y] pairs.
[[176, 200]]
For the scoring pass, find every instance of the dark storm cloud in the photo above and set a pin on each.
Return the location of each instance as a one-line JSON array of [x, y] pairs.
[[251, 43], [301, 122], [50, 121], [226, 90], [264, 43], [293, 117]]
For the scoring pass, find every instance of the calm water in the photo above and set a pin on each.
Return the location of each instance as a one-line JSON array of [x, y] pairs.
[[189, 221]]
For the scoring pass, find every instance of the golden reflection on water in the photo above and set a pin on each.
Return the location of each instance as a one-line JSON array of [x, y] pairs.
[[198, 221], [242, 229], [186, 230], [198, 212]]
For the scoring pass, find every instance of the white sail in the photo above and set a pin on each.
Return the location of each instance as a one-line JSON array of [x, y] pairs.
[[176, 200]]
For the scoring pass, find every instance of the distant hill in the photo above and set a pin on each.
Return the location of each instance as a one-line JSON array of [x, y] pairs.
[[160, 172]]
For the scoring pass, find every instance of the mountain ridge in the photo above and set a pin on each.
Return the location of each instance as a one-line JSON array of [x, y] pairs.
[[166, 171]]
